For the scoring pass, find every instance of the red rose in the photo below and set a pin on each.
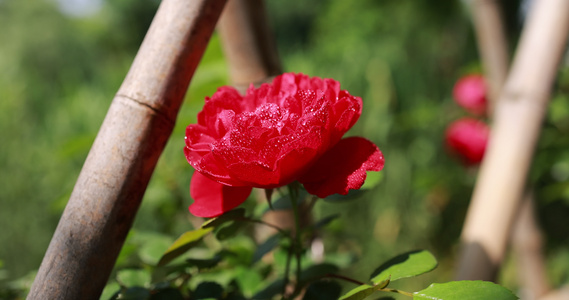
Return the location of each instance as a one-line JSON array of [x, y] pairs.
[[468, 139], [285, 131], [470, 93]]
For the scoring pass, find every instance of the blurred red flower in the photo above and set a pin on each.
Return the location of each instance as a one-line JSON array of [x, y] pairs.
[[285, 131], [468, 139], [470, 93]]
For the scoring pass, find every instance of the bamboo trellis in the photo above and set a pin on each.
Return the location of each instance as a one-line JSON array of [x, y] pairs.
[[517, 117], [140, 120]]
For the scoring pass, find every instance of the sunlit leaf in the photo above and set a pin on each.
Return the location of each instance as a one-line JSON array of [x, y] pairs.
[[465, 290], [183, 244], [359, 293], [405, 265]]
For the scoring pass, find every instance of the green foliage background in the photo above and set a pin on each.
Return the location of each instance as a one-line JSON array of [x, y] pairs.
[[59, 73]]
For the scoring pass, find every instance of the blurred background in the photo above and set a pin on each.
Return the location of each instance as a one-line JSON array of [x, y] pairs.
[[62, 61]]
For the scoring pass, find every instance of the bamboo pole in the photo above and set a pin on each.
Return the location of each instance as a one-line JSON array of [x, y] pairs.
[[114, 177], [492, 45], [527, 240], [528, 246], [517, 121], [248, 43]]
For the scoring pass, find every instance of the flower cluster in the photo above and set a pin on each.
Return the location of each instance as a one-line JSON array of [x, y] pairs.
[[468, 137], [288, 130]]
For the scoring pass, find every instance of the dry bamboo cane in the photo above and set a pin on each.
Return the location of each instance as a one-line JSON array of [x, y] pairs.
[[527, 243], [492, 45], [517, 121], [114, 177], [248, 43], [527, 240]]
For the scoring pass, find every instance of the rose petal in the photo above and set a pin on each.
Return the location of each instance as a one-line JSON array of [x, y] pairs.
[[212, 198], [343, 167]]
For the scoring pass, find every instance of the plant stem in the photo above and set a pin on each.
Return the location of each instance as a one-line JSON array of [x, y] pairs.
[[287, 271], [275, 227], [297, 243]]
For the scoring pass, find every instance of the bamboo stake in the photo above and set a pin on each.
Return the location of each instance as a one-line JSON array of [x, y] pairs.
[[138, 124], [517, 122], [527, 243], [248, 43], [526, 237], [492, 45]]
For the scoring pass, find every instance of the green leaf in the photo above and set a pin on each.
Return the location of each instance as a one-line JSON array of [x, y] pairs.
[[465, 290], [322, 290], [231, 215], [207, 290], [276, 287], [183, 244], [152, 250], [405, 265], [325, 221], [167, 294], [372, 179], [266, 247], [352, 195], [383, 284], [209, 263], [205, 263], [133, 293], [284, 203], [359, 293], [112, 288], [317, 271], [249, 280], [133, 277], [229, 230]]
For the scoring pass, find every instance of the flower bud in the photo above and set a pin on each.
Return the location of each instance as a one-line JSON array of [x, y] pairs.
[[470, 93], [467, 138]]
